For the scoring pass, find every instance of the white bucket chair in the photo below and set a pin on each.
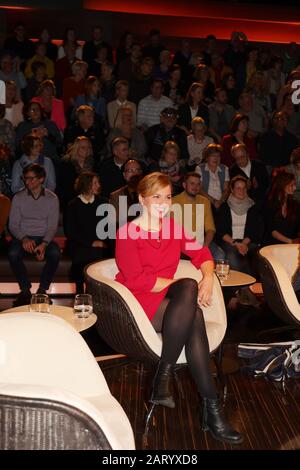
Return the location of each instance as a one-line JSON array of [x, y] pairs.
[[53, 394], [125, 327], [277, 266]]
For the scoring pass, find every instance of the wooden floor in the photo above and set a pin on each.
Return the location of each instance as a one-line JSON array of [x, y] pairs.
[[268, 418]]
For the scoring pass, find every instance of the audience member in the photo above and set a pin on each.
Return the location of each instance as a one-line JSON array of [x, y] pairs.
[[135, 137], [79, 158], [14, 105], [19, 44], [40, 56], [124, 49], [92, 97], [170, 164], [4, 213], [193, 107], [53, 108], [7, 133], [239, 230], [111, 174], [87, 126], [156, 136], [51, 48], [282, 212], [83, 242], [129, 67], [254, 171], [214, 176], [174, 87], [277, 144], [202, 75], [220, 115], [154, 48], [294, 168], [258, 119], [149, 108], [108, 81], [197, 141], [33, 153], [36, 123], [229, 85], [90, 47], [132, 172], [238, 135], [5, 170], [74, 86], [33, 223], [38, 76], [190, 200], [10, 71], [140, 85], [69, 39], [113, 108]]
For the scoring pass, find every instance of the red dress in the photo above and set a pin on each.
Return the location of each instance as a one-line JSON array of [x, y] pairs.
[[145, 256]]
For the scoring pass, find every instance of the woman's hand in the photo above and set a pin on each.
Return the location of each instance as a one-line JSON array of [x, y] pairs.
[[241, 248], [205, 287]]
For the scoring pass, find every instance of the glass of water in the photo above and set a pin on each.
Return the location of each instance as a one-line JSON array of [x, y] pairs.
[[83, 305], [40, 303], [222, 268]]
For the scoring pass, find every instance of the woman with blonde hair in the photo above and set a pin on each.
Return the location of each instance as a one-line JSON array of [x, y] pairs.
[[79, 158], [197, 141], [13, 105], [113, 107], [147, 254], [92, 97], [53, 107], [171, 165], [193, 106], [74, 86]]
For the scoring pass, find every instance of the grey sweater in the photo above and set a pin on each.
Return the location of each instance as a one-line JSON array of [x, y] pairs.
[[34, 217]]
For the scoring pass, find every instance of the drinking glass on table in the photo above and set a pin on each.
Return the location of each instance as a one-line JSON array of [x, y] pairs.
[[83, 305], [40, 303], [222, 268]]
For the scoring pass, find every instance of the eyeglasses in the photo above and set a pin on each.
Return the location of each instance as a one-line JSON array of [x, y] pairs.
[[29, 178]]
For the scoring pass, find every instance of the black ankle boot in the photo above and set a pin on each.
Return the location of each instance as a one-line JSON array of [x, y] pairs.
[[161, 386], [215, 422]]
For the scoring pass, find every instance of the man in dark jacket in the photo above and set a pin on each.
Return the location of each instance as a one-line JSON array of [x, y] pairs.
[[156, 136], [253, 170]]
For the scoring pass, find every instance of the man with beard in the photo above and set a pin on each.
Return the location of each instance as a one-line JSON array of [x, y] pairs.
[[132, 173]]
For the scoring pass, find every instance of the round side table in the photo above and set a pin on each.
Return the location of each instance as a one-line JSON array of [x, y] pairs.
[[66, 313]]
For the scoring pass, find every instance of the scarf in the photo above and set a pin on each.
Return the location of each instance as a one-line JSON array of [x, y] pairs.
[[239, 206]]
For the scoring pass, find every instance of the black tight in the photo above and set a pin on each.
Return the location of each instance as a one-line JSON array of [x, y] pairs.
[[182, 324]]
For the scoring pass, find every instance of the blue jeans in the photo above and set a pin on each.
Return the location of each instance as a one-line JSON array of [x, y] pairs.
[[16, 253], [237, 261], [216, 251]]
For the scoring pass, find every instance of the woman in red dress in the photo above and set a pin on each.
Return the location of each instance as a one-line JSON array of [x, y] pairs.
[[147, 254]]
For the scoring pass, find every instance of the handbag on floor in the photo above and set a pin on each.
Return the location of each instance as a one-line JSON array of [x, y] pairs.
[[275, 361]]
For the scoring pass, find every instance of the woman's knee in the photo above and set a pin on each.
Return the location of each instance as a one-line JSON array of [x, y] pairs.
[[188, 284]]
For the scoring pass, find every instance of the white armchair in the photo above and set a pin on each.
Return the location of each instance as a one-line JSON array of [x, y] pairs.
[[277, 266], [53, 394], [123, 324]]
